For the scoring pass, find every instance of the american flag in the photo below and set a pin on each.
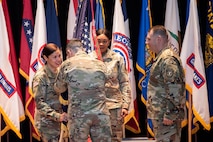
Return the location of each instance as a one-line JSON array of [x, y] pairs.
[[83, 29]]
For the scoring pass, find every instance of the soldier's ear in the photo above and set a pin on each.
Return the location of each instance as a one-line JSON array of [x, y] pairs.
[[45, 57], [109, 42]]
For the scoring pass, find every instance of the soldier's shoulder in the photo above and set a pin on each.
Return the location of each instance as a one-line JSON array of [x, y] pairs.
[[40, 75], [97, 62], [92, 54], [116, 55]]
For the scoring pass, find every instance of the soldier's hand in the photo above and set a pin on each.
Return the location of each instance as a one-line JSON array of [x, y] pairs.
[[63, 117], [124, 112], [167, 121]]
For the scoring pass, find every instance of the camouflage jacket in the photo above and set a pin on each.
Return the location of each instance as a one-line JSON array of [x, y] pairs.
[[117, 87], [166, 87], [48, 107], [84, 77]]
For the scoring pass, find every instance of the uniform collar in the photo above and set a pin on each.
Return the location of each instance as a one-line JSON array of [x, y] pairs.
[[49, 72], [161, 52]]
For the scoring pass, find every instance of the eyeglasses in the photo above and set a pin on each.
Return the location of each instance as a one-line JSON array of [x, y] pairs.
[[102, 41]]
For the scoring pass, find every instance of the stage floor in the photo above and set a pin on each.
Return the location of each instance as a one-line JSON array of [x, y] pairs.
[[138, 139]]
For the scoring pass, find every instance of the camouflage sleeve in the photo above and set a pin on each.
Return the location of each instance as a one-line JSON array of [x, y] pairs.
[[173, 84], [124, 84], [39, 90], [60, 84]]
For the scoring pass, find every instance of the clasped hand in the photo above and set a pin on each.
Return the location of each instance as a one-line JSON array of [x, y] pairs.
[[63, 117]]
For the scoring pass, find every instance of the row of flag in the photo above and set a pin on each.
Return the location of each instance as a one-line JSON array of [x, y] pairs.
[[198, 76], [84, 18]]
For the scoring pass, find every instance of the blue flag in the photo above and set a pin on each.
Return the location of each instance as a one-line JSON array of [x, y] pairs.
[[53, 33], [209, 58], [99, 15], [187, 10], [145, 57]]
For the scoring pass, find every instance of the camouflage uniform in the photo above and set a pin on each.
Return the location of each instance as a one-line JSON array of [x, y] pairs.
[[117, 91], [88, 114], [166, 95], [48, 107]]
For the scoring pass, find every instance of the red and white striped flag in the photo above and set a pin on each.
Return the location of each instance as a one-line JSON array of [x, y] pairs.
[[11, 106]]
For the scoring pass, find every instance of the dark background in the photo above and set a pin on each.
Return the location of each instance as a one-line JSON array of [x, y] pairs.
[[133, 10]]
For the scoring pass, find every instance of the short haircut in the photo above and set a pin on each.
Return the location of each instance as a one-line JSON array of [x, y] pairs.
[[160, 30], [74, 44]]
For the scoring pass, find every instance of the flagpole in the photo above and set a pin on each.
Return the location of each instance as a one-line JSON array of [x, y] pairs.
[[30, 132], [124, 134], [190, 118], [8, 140], [97, 48]]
